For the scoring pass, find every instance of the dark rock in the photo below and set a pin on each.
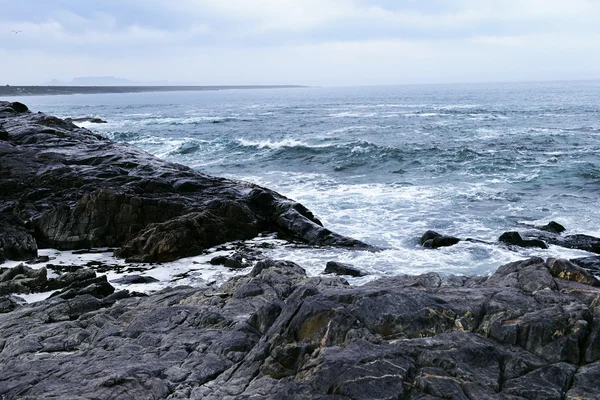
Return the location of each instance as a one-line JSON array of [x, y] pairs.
[[38, 260], [135, 279], [586, 383], [10, 303], [219, 260], [19, 107], [564, 269], [3, 133], [338, 268], [579, 241], [93, 120], [591, 264], [97, 287], [515, 239], [81, 191], [277, 333], [552, 226], [433, 240], [16, 243], [22, 279], [546, 383]]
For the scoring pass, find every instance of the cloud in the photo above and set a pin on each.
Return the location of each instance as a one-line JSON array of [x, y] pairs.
[[300, 41]]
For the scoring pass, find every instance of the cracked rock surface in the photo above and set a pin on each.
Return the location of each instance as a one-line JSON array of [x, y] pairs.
[[520, 334]]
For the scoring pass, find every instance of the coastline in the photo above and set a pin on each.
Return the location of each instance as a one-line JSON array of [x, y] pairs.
[[531, 330], [7, 91]]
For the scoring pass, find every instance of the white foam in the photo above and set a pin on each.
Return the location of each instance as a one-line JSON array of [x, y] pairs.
[[263, 144]]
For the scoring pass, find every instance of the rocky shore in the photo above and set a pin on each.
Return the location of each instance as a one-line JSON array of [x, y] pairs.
[[529, 331]]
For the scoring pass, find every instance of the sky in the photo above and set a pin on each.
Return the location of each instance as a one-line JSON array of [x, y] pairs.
[[306, 42]]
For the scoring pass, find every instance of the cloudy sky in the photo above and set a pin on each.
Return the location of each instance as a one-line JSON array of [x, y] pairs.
[[312, 42]]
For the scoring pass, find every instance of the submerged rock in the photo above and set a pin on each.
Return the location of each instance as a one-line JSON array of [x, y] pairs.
[[433, 240], [552, 226], [577, 241], [93, 120], [515, 239], [276, 333], [135, 279], [72, 189], [23, 279]]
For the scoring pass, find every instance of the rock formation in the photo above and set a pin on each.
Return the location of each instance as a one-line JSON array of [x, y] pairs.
[[526, 332], [64, 187]]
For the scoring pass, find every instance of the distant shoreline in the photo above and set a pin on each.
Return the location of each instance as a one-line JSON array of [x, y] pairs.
[[66, 90]]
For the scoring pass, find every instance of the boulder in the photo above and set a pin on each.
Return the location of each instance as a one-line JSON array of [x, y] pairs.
[[338, 268], [552, 226], [433, 240], [515, 239], [22, 279]]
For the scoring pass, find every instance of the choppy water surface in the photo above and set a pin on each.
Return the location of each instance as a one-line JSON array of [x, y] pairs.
[[385, 164]]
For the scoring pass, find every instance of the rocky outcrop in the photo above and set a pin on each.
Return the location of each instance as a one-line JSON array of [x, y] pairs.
[[64, 187], [522, 333]]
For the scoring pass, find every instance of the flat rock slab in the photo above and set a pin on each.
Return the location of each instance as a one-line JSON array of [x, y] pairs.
[[522, 333]]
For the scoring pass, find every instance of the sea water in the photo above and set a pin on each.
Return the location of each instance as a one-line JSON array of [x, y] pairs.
[[385, 164]]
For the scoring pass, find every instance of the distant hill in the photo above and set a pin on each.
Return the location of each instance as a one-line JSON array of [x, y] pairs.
[[102, 81]]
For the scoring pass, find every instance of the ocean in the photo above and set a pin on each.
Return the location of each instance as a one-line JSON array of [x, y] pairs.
[[385, 164]]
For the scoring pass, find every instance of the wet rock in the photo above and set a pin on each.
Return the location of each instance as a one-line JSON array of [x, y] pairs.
[[235, 261], [97, 287], [515, 239], [38, 260], [338, 268], [22, 279], [135, 279], [9, 303], [93, 120], [591, 264], [564, 269], [434, 240], [552, 226], [578, 241]]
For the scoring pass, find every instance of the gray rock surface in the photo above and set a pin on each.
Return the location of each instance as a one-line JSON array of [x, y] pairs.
[[275, 334], [64, 187]]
